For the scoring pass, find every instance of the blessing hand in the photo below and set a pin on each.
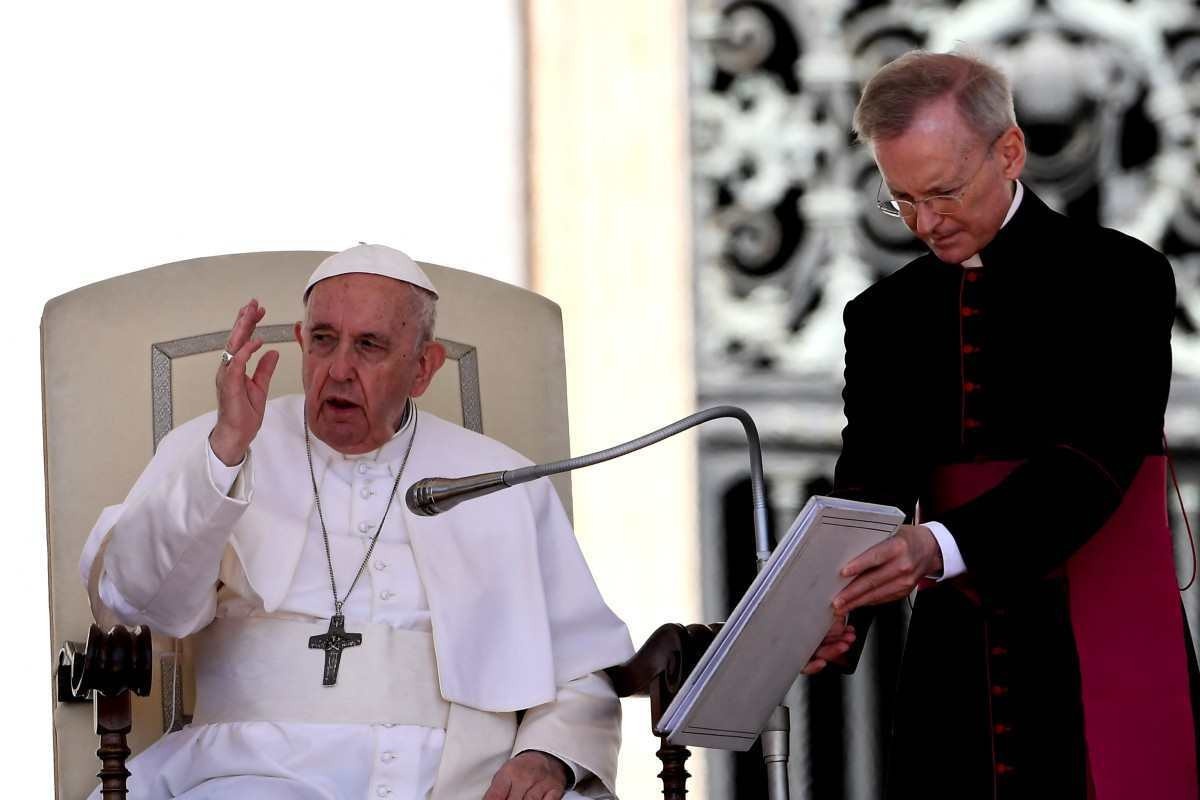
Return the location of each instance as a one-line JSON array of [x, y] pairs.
[[241, 400], [890, 570], [530, 775]]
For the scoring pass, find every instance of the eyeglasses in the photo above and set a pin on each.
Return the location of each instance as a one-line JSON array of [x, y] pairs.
[[943, 204]]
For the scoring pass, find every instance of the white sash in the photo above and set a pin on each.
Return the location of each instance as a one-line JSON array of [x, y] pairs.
[[261, 669]]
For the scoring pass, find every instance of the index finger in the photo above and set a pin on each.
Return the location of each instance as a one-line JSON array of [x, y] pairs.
[[853, 591], [872, 557], [248, 318]]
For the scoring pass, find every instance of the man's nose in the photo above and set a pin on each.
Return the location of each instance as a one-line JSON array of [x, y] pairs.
[[925, 220], [341, 367]]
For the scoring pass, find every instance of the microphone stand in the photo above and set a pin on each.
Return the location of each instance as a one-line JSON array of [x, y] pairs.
[[434, 495]]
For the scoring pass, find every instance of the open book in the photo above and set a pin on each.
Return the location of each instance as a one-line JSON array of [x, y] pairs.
[[777, 626]]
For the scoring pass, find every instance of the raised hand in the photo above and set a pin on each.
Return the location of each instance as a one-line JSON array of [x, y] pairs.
[[241, 399]]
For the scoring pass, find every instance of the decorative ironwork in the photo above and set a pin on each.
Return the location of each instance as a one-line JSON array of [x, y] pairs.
[[786, 231]]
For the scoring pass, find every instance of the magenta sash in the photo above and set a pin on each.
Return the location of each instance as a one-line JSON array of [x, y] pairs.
[[1128, 624]]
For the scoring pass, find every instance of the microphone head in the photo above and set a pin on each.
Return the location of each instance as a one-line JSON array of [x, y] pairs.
[[419, 498], [430, 496]]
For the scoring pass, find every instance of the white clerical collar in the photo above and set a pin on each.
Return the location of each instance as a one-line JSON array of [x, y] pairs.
[[975, 260], [393, 449]]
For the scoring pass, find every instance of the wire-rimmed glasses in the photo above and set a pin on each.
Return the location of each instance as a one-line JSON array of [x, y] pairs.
[[942, 204]]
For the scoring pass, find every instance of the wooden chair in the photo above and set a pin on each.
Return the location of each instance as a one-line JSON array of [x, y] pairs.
[[125, 359]]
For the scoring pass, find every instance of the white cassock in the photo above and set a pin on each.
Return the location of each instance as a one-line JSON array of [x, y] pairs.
[[467, 618]]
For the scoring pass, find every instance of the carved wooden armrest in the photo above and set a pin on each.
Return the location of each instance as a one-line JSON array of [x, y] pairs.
[[658, 670], [105, 671]]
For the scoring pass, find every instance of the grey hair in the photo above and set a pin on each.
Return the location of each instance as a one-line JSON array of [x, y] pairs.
[[423, 307], [902, 88]]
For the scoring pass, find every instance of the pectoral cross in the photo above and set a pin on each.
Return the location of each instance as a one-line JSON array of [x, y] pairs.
[[333, 643]]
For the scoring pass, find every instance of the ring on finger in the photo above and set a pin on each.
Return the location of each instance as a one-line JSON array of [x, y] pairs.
[[226, 357]]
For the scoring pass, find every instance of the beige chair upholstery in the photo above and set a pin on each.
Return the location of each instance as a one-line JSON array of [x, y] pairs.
[[125, 359]]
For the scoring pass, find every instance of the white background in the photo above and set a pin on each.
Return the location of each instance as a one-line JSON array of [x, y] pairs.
[[139, 133]]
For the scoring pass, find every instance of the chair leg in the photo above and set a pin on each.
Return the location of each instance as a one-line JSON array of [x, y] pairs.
[[674, 776], [114, 719]]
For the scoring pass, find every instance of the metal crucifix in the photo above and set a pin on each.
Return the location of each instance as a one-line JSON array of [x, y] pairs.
[[333, 643]]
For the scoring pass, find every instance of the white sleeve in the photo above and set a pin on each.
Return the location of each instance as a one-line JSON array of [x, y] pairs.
[[221, 475], [580, 727], [952, 560], [160, 551]]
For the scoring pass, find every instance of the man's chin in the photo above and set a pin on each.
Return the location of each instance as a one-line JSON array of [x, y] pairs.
[[343, 435], [951, 250]]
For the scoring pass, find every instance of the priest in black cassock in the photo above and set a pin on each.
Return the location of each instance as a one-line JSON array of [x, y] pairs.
[[1007, 391]]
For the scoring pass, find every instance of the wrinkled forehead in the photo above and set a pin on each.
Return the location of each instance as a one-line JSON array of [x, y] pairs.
[[361, 300], [937, 127], [934, 153]]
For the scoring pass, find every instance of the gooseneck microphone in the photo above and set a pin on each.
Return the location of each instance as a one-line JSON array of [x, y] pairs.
[[430, 496]]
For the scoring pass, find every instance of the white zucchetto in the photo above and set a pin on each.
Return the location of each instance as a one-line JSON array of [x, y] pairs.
[[374, 259]]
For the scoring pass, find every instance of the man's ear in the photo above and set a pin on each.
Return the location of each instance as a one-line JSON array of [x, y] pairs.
[[296, 329], [432, 356], [1012, 152]]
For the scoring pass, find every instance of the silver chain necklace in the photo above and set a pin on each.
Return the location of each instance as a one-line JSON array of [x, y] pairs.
[[336, 639]]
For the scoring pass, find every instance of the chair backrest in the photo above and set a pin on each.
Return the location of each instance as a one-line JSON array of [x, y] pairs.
[[126, 359]]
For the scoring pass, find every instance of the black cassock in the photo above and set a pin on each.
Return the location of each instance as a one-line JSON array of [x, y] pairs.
[[1054, 354]]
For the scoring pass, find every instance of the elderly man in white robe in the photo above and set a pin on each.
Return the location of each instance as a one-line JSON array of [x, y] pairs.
[[346, 648]]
